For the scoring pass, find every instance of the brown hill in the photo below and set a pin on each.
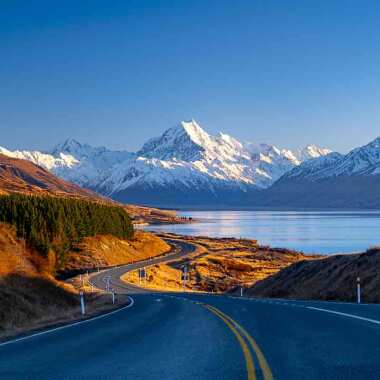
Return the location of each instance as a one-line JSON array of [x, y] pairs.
[[21, 176], [330, 278], [32, 298]]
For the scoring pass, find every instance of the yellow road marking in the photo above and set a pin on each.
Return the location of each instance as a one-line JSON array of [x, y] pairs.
[[267, 373], [247, 354]]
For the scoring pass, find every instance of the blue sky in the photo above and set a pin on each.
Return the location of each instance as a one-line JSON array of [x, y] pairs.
[[115, 73]]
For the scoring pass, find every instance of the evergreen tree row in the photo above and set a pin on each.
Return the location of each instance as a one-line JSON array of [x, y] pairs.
[[58, 223]]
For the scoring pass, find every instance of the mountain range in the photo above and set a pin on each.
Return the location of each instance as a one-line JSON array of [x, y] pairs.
[[186, 166]]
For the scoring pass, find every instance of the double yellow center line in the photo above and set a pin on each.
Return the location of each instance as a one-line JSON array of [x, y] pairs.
[[246, 341]]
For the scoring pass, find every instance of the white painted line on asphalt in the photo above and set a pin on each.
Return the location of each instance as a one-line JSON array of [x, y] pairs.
[[70, 325], [345, 315]]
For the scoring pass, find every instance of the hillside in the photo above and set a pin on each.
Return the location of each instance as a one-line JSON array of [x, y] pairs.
[[32, 298], [22, 176], [108, 250], [330, 278]]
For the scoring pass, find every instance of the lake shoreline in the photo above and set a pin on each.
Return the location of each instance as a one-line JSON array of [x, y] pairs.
[[326, 233]]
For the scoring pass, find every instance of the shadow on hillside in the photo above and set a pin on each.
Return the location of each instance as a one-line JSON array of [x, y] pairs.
[[27, 299]]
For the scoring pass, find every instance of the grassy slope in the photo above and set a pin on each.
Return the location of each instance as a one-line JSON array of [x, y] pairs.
[[32, 298], [107, 250], [331, 278]]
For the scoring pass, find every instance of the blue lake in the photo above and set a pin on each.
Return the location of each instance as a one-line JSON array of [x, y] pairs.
[[311, 232]]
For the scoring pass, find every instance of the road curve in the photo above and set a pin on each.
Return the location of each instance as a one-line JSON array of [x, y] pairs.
[[203, 336], [179, 250]]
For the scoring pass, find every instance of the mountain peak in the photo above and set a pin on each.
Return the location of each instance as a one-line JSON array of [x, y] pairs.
[[311, 151], [194, 131], [186, 142], [68, 146], [375, 143]]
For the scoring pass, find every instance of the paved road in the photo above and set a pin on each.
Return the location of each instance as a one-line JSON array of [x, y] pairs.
[[189, 336]]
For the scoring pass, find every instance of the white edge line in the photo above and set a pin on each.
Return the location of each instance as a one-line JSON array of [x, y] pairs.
[[345, 315], [69, 325]]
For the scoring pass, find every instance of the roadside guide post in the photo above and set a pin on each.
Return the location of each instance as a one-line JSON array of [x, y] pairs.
[[82, 305], [241, 291], [113, 297], [142, 275], [107, 280], [358, 289], [185, 276]]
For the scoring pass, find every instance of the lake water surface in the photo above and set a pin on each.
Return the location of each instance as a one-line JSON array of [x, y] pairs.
[[311, 232]]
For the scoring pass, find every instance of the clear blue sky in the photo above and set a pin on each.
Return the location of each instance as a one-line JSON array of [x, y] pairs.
[[115, 73]]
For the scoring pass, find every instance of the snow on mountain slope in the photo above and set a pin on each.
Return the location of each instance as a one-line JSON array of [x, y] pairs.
[[44, 160], [314, 168], [189, 147], [73, 161], [364, 160], [184, 156]]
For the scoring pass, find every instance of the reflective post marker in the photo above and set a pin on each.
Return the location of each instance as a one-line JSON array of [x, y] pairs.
[[82, 306], [185, 277], [358, 289]]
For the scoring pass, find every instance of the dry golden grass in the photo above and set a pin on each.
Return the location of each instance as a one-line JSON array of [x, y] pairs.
[[16, 257], [219, 265], [107, 250], [34, 302], [31, 298], [328, 278]]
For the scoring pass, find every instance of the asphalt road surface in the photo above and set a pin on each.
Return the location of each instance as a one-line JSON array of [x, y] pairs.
[[188, 336]]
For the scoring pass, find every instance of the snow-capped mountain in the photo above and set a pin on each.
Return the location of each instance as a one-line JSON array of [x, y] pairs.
[[332, 181], [361, 161], [75, 162], [184, 160]]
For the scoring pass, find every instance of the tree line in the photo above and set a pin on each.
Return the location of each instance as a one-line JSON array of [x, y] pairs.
[[47, 222]]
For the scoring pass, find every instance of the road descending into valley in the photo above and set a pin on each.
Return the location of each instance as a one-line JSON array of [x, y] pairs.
[[203, 336]]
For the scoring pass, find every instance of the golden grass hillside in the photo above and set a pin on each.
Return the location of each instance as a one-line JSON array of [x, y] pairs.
[[330, 278], [107, 250], [31, 297]]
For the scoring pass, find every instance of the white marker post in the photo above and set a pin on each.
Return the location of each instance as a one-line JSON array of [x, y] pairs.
[[113, 297], [185, 277], [82, 305], [358, 289], [241, 291]]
